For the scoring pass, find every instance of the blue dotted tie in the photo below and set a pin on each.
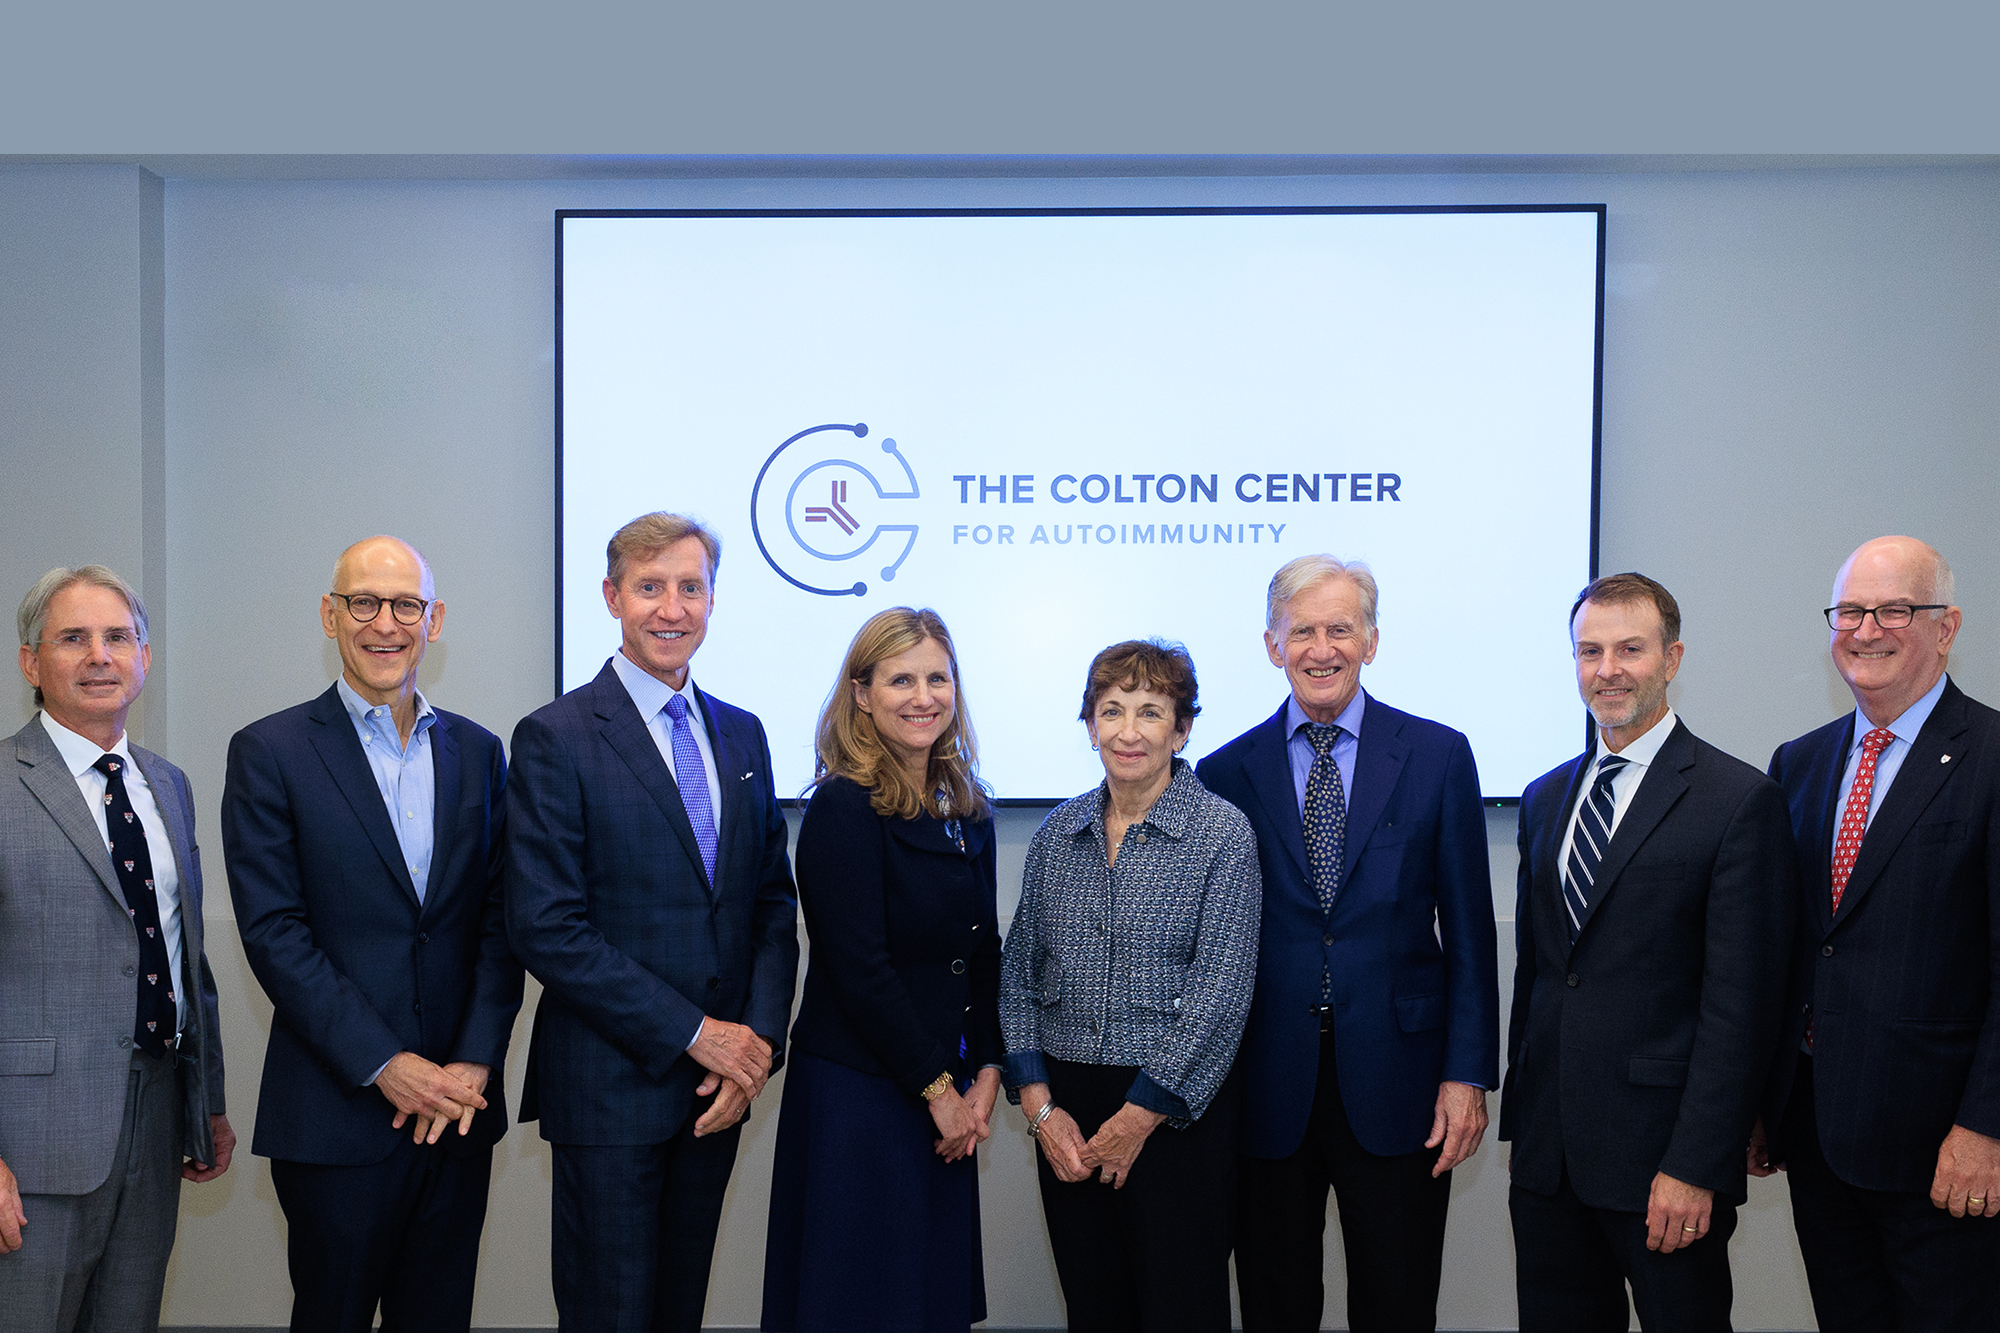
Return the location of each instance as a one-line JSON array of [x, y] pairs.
[[692, 778], [1593, 838], [1326, 827], [153, 1029]]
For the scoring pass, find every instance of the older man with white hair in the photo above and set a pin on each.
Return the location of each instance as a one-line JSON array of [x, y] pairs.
[[1886, 1106], [1374, 1028]]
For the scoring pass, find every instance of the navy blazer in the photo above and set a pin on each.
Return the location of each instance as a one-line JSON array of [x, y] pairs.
[[1410, 946], [355, 968], [905, 941], [609, 906], [1906, 1041], [1642, 1047]]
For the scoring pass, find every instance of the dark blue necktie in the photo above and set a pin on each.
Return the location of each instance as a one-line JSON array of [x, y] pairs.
[[692, 778], [153, 1029], [1593, 839], [1326, 826]]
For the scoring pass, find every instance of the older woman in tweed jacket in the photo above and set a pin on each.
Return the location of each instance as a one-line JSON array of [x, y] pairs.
[[1124, 986]]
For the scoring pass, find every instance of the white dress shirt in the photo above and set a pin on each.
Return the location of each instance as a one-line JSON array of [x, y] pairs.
[[78, 754], [1638, 757]]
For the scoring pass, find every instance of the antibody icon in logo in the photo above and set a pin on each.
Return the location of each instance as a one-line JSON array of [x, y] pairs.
[[833, 508]]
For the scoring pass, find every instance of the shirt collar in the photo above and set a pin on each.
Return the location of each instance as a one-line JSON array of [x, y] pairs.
[[359, 708], [1170, 813], [79, 753], [649, 693], [1641, 752], [1349, 720], [1909, 724]]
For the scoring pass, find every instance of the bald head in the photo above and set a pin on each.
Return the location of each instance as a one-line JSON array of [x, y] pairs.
[[1887, 670], [386, 554]]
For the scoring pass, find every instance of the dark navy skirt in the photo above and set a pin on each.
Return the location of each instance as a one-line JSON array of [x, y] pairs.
[[870, 1229]]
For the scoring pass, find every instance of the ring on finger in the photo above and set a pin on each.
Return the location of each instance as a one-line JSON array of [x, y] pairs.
[[1685, 1227]]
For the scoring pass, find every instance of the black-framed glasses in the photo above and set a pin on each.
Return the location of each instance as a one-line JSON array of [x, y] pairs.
[[1894, 616], [365, 606]]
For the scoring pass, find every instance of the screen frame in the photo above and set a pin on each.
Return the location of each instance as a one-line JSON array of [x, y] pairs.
[[563, 215]]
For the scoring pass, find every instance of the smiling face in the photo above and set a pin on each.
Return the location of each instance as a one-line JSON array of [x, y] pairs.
[[1135, 736], [911, 698], [1322, 643], [1887, 670], [1622, 667], [379, 659], [89, 665], [663, 600]]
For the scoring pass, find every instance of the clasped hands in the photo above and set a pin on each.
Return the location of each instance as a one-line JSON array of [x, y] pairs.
[[738, 1062], [963, 1123], [1109, 1153], [433, 1095]]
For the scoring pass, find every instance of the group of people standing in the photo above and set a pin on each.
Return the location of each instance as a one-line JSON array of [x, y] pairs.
[[1228, 988]]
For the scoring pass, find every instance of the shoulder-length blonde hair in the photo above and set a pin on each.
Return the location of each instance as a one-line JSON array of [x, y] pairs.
[[848, 745]]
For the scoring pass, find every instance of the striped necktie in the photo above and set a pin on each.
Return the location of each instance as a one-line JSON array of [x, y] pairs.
[[1593, 839]]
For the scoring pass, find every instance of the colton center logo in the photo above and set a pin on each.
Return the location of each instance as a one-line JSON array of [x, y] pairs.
[[833, 509]]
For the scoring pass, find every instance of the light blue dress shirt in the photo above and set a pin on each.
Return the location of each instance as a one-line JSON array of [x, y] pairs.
[[1300, 751], [1890, 761], [404, 774]]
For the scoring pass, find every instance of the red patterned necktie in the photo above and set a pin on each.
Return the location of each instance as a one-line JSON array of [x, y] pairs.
[[1854, 821]]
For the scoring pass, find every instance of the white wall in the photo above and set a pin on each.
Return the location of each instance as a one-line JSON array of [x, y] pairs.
[[1794, 361]]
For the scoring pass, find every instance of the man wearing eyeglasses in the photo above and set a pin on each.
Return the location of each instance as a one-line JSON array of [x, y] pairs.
[[110, 1053], [1885, 1109], [362, 836]]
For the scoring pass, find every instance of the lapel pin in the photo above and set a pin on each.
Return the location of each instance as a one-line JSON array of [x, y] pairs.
[[1944, 759], [746, 777]]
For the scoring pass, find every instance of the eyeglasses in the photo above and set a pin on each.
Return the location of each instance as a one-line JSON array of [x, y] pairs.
[[365, 606], [1895, 616], [117, 642]]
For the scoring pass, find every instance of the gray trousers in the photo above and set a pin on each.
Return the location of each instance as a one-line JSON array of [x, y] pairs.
[[97, 1262]]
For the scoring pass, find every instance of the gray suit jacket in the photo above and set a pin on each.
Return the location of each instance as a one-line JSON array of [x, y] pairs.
[[68, 954]]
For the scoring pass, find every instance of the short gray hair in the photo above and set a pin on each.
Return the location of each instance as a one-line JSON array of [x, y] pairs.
[[34, 613], [652, 533], [1308, 570]]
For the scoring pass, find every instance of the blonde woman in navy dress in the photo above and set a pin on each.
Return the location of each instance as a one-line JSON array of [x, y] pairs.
[[893, 1067]]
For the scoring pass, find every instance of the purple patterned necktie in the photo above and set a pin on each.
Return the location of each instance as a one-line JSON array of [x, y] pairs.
[[692, 778]]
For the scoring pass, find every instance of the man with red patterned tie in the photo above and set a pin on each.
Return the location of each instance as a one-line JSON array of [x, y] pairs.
[[1885, 1107]]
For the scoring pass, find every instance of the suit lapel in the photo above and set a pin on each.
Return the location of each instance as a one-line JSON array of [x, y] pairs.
[[1269, 768], [1823, 772], [625, 732], [1663, 785], [444, 789], [1925, 770], [1378, 761], [333, 739], [1548, 847], [53, 785], [731, 763]]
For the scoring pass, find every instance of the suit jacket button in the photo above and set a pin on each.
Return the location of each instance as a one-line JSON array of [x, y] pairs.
[[417, 1008], [715, 983], [1826, 951], [1574, 979], [130, 970], [423, 938], [1327, 940], [958, 967]]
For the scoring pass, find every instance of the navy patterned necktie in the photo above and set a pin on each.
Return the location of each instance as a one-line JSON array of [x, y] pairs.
[[1325, 815], [153, 1029], [692, 778], [1593, 838]]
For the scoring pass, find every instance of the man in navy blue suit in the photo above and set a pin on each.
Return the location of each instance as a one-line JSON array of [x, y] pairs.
[[1886, 1106], [649, 891], [1374, 1028], [1654, 917], [362, 833]]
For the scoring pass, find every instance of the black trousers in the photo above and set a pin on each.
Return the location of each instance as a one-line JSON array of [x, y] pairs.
[[1392, 1215], [1151, 1256], [402, 1232], [634, 1230], [1572, 1263], [1884, 1262]]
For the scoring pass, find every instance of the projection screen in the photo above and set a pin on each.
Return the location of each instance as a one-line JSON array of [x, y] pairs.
[[1066, 428]]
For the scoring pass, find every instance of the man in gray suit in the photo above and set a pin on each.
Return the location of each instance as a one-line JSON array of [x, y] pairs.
[[110, 1056]]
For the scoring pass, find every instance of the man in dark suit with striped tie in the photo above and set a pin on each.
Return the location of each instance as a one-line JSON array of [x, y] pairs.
[[648, 889], [1890, 1127], [1654, 917]]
